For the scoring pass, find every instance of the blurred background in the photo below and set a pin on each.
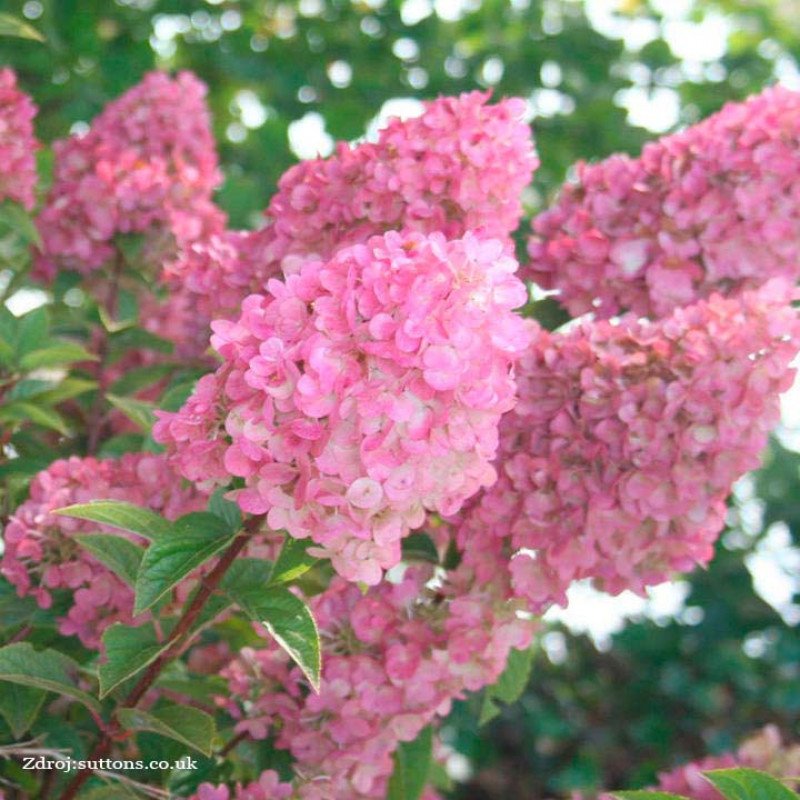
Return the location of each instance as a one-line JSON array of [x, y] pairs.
[[619, 688]]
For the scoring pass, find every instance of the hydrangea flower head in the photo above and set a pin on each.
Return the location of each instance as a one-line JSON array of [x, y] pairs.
[[147, 165], [712, 208], [361, 393], [17, 142]]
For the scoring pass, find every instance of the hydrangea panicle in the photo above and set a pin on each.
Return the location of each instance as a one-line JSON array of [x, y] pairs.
[[712, 208], [17, 142], [147, 165], [627, 438], [360, 393]]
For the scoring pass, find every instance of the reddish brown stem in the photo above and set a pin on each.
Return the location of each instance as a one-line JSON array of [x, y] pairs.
[[174, 646], [240, 737]]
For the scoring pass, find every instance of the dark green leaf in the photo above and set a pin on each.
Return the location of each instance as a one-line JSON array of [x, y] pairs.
[[185, 724], [225, 510], [420, 547], [289, 621], [194, 539], [292, 561], [44, 669], [20, 707], [412, 763], [128, 651], [120, 555], [122, 515]]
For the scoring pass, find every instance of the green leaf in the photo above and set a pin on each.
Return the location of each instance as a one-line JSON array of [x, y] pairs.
[[225, 510], [11, 26], [420, 547], [44, 669], [292, 561], [13, 214], [644, 794], [510, 685], [55, 355], [202, 688], [193, 540], [126, 316], [21, 707], [412, 763], [128, 651], [23, 467], [120, 555], [137, 379], [289, 621], [185, 724], [122, 515], [33, 331], [65, 390], [109, 791], [137, 411], [741, 783], [24, 411]]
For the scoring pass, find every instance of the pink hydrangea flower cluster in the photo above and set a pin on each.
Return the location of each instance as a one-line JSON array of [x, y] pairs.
[[714, 207], [459, 167], [361, 393], [147, 165], [626, 440], [41, 556], [17, 142], [394, 660]]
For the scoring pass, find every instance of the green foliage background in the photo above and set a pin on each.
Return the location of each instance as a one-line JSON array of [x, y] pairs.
[[663, 692]]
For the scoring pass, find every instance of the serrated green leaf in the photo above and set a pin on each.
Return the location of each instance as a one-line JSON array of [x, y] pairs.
[[420, 547], [289, 621], [55, 355], [45, 669], [412, 763], [11, 26], [137, 411], [184, 724], [128, 651], [742, 783], [292, 561], [225, 510], [194, 539], [21, 707], [122, 515], [120, 555]]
